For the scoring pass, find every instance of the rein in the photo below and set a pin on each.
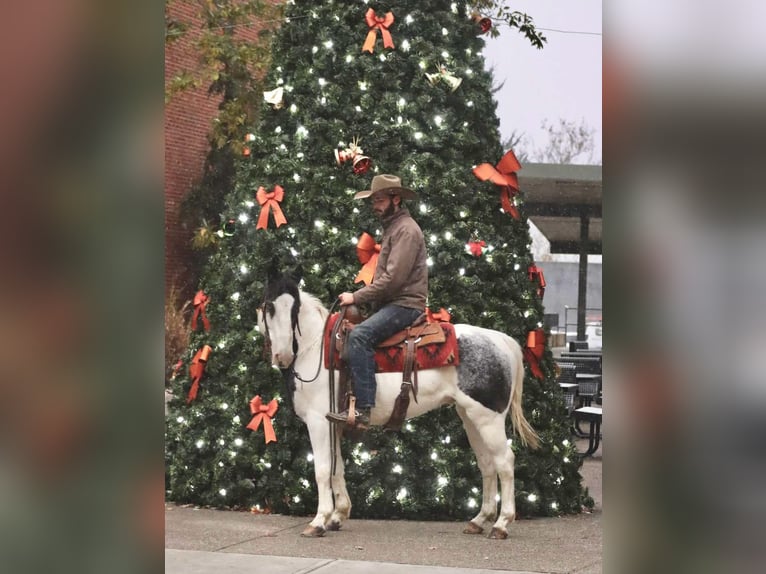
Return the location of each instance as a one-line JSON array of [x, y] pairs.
[[321, 348], [290, 372]]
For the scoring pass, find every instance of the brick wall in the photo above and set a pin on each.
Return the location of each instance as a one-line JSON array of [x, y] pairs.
[[187, 121], [188, 118]]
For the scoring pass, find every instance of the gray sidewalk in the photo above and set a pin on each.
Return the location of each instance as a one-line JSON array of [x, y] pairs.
[[202, 541]]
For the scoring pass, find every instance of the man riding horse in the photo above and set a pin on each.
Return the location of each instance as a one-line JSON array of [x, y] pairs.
[[398, 291]]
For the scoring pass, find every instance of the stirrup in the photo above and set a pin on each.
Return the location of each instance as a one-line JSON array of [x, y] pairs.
[[351, 419]]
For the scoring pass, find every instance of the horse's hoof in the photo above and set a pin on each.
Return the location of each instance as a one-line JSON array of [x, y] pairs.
[[313, 532], [334, 526], [473, 528], [498, 534]]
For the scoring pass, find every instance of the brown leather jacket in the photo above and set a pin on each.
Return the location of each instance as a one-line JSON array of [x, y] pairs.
[[401, 276]]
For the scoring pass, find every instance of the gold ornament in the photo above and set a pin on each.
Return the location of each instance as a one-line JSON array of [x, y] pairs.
[[204, 237], [442, 75]]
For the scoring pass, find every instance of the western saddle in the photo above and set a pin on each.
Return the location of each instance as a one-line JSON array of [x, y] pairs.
[[419, 333]]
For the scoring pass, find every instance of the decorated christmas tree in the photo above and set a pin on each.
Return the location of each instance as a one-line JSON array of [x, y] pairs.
[[357, 89]]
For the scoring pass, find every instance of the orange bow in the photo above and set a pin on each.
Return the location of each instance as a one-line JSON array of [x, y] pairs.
[[535, 273], [263, 413], [270, 201], [504, 175], [200, 302], [367, 251], [376, 23], [442, 315], [534, 350], [196, 369]]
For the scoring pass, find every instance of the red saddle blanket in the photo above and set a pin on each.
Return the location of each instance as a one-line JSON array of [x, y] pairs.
[[391, 359]]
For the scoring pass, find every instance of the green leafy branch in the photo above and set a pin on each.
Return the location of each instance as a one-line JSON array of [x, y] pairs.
[[499, 13]]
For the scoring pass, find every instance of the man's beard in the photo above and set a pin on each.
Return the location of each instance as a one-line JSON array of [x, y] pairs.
[[388, 211]]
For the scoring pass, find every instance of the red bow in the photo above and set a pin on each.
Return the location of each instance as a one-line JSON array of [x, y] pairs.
[[477, 247], [196, 369], [270, 201], [263, 413], [377, 23], [442, 315], [534, 350], [535, 273], [200, 302], [367, 251], [504, 175]]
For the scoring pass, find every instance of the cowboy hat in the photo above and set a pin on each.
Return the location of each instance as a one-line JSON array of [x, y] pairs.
[[389, 184]]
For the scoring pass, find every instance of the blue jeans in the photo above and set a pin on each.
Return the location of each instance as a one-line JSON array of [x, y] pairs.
[[361, 347]]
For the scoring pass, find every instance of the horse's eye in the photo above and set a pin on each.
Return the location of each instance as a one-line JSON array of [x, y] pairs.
[[269, 308]]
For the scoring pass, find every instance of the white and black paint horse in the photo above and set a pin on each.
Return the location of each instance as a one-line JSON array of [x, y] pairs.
[[484, 387]]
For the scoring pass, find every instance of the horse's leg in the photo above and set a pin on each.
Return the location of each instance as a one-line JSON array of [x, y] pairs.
[[319, 433], [342, 500], [488, 511], [491, 428]]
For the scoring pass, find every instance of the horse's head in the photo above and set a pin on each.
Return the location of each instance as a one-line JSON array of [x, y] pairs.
[[278, 320]]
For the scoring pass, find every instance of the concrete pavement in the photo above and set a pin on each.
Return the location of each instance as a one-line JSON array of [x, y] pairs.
[[204, 541]]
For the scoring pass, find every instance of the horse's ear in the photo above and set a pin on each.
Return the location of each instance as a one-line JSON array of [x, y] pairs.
[[272, 271]]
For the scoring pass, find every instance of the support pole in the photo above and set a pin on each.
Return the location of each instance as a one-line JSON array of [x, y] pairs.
[[582, 286]]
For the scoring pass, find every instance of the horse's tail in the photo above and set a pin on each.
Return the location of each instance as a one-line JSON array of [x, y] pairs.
[[520, 424]]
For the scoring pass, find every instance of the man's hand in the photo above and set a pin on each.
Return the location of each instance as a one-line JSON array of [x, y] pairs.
[[346, 298]]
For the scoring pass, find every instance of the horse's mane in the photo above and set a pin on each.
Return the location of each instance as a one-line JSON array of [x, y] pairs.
[[311, 300]]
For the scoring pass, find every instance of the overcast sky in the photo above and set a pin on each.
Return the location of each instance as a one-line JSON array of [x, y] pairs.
[[563, 80]]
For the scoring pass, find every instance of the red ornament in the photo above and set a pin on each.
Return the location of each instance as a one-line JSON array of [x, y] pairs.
[[477, 247], [485, 24], [361, 164], [343, 155]]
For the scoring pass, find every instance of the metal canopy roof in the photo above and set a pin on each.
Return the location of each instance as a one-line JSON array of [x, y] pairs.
[[559, 198]]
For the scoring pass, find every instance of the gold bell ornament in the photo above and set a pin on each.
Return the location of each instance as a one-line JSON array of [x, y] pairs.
[[442, 75]]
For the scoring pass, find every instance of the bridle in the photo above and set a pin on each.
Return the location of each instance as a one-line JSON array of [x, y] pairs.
[[289, 374], [295, 325]]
